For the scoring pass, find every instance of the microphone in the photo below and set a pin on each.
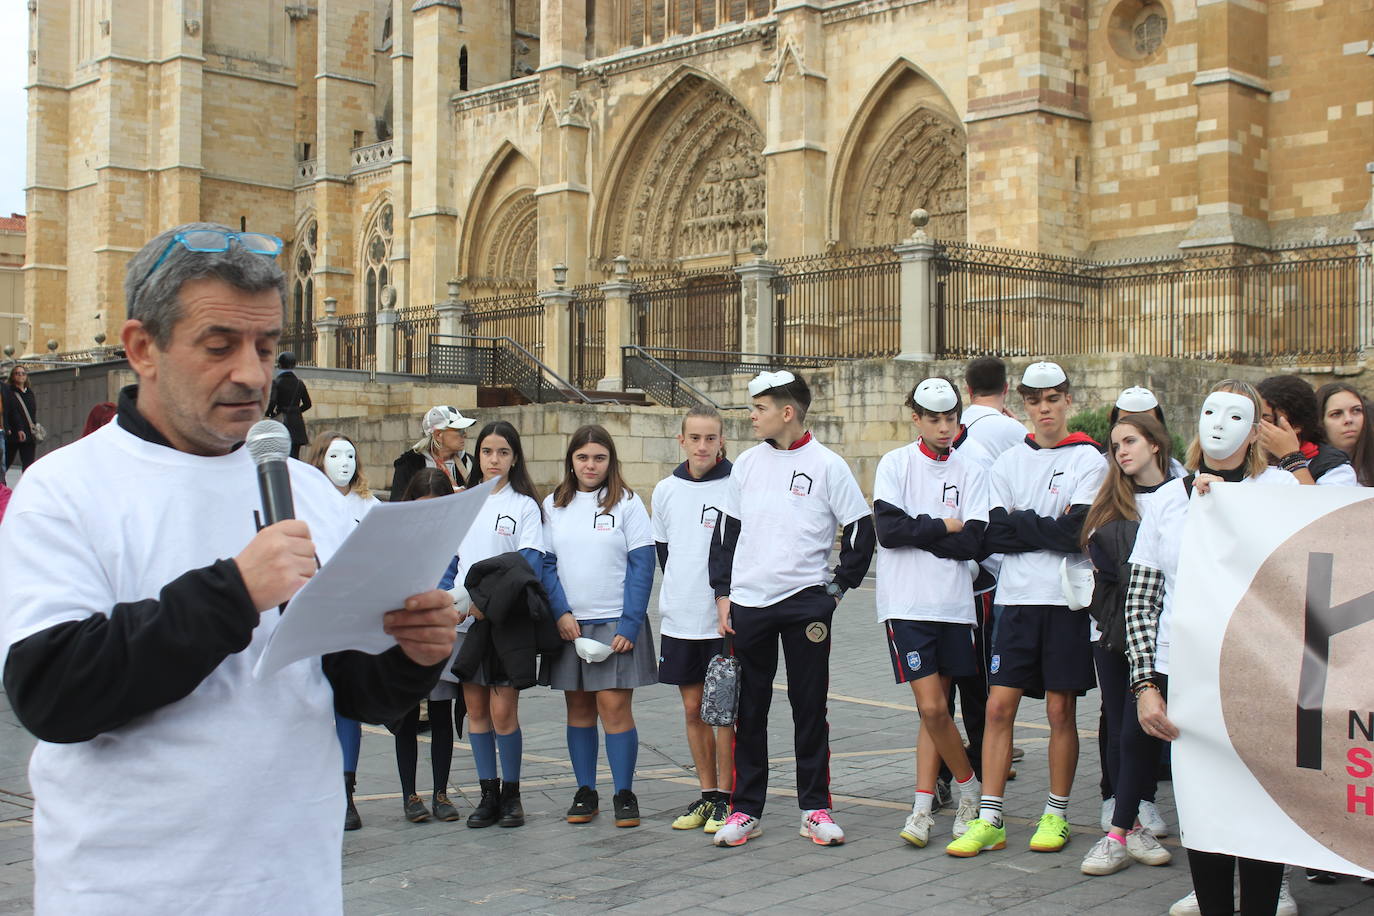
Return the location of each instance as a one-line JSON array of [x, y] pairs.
[[269, 443]]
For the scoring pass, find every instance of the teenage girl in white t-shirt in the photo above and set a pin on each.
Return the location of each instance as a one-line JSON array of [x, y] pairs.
[[511, 520], [1138, 467], [600, 551], [1227, 448], [336, 456]]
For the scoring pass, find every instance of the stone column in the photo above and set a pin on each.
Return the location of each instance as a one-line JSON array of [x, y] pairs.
[[917, 341], [564, 124], [757, 319], [557, 329], [387, 316], [451, 312], [436, 36], [327, 335], [796, 153], [618, 329]]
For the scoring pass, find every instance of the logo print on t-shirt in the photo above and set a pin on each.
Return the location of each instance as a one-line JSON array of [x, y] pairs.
[[710, 517], [604, 522], [1054, 482], [505, 525], [801, 484], [949, 495]]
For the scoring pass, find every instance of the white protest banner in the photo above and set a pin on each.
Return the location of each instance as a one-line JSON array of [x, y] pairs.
[[1270, 676]]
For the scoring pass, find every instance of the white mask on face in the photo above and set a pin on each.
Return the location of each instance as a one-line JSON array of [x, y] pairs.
[[340, 462], [1225, 422]]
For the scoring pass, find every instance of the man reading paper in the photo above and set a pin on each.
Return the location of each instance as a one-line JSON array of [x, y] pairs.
[[139, 594]]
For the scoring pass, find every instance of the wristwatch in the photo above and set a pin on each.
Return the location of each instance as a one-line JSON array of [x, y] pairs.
[[834, 590]]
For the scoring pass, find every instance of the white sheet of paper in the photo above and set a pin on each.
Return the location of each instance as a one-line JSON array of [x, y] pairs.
[[397, 550]]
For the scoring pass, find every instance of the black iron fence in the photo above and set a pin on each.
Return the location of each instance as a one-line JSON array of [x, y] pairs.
[[846, 304], [1299, 306], [691, 311], [356, 342], [300, 340], [588, 331], [519, 316], [498, 362], [410, 337], [665, 373]]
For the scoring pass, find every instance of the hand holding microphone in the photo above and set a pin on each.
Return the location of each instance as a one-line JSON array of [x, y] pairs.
[[281, 557]]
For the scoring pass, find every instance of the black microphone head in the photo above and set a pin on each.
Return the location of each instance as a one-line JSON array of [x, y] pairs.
[[268, 440]]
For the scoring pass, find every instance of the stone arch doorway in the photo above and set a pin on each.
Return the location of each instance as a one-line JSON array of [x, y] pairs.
[[501, 240], [690, 187], [905, 149]]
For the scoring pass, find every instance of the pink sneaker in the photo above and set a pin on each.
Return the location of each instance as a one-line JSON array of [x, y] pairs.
[[821, 828], [739, 829]]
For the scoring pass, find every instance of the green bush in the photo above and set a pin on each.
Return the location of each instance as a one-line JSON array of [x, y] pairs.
[[1094, 423]]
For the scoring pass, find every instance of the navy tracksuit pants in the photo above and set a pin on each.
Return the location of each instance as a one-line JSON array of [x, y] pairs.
[[802, 623]]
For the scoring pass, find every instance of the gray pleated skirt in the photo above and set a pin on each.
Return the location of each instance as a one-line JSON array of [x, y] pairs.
[[636, 668]]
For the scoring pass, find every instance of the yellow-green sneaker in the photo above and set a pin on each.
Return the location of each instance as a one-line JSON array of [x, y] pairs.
[[720, 810], [1051, 835], [697, 813], [981, 835]]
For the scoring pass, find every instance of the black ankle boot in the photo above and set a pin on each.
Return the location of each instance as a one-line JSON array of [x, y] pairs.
[[488, 810], [512, 812], [351, 819]]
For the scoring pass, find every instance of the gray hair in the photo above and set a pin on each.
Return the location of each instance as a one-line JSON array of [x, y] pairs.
[[157, 304]]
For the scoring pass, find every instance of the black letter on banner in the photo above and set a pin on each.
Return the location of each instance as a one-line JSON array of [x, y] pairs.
[[1322, 623]]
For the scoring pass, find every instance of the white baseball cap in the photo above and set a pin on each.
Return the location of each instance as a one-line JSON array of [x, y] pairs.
[[437, 418], [766, 380], [1043, 375], [936, 394], [1137, 400]]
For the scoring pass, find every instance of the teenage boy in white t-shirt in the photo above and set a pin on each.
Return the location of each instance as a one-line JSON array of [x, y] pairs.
[[1041, 492], [687, 509], [930, 509], [768, 569]]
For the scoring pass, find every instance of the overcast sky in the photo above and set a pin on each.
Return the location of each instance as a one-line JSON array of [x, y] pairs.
[[14, 55]]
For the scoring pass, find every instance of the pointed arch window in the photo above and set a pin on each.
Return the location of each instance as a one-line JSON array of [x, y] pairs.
[[377, 260], [303, 278]]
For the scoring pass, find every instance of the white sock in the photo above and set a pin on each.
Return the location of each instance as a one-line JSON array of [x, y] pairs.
[[1057, 804], [990, 809], [969, 789], [924, 801]]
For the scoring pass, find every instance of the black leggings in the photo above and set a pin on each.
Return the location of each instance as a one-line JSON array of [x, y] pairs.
[[1131, 757], [1212, 880], [443, 720]]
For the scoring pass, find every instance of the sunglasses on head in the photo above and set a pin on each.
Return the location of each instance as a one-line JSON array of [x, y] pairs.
[[213, 240]]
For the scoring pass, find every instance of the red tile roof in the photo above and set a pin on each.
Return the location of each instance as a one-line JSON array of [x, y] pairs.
[[12, 223]]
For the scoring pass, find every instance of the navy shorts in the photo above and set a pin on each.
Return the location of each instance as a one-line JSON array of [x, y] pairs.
[[919, 648], [1039, 647], [684, 661]]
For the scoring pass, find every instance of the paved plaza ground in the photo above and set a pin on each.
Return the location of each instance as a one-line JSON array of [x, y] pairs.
[[549, 866]]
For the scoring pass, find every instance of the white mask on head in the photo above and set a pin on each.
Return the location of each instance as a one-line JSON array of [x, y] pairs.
[[1226, 420], [340, 462]]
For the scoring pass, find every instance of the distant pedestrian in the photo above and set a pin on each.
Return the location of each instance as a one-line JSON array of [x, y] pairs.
[[289, 401], [21, 416]]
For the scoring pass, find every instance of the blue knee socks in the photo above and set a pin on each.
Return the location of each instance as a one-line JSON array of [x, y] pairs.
[[483, 753], [622, 751], [511, 746], [350, 734], [582, 750]]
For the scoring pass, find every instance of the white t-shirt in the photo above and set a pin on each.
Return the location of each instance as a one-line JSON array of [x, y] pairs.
[[508, 521], [686, 516], [789, 503], [1160, 542], [914, 584], [226, 801], [1046, 481], [592, 546], [358, 506], [1342, 475], [992, 429]]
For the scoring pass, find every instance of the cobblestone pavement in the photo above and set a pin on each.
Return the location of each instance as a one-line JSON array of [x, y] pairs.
[[548, 866]]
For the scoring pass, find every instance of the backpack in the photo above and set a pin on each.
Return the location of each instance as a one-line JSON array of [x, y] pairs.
[[720, 694]]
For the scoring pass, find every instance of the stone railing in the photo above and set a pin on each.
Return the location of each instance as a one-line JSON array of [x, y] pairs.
[[305, 172], [371, 158]]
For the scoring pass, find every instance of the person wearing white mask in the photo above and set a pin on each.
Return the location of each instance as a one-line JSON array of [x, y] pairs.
[[337, 458], [1226, 448], [1137, 400]]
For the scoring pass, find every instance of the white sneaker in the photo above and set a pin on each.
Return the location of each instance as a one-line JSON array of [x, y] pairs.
[[1287, 905], [1150, 817], [1145, 849], [739, 829], [1188, 906], [917, 828], [968, 811], [1105, 858], [1108, 809], [821, 828]]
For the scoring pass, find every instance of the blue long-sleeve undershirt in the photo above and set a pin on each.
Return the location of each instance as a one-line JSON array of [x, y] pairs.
[[639, 582]]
